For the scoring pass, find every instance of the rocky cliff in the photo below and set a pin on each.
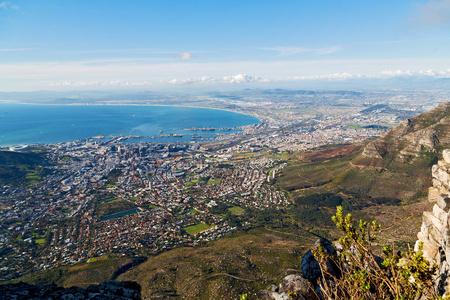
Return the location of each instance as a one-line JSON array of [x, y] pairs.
[[435, 229], [425, 132]]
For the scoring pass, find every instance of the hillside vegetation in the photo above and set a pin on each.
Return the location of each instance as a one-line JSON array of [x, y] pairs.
[[20, 167], [394, 166], [222, 269]]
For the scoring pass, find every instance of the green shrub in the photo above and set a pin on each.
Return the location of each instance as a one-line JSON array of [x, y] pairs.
[[363, 275], [320, 200]]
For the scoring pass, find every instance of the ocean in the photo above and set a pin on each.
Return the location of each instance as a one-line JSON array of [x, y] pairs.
[[44, 124]]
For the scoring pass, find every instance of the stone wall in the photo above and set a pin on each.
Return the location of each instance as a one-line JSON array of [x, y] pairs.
[[435, 229]]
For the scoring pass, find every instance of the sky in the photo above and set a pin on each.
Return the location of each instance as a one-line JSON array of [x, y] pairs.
[[108, 44]]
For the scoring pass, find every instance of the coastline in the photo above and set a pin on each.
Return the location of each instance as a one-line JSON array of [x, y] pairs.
[[11, 142], [135, 104]]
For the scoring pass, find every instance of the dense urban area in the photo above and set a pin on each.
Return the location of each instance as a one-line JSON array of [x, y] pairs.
[[119, 196]]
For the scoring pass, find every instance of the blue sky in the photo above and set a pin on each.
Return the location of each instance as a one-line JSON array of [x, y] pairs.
[[57, 45]]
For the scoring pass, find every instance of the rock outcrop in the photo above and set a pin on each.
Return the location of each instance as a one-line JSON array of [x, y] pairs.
[[310, 266], [291, 284], [434, 234], [374, 150], [109, 290], [435, 229], [302, 286]]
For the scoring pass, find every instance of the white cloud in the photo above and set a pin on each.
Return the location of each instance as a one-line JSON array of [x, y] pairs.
[[386, 74], [234, 79], [141, 72], [180, 81], [184, 56], [241, 78], [395, 73], [248, 79], [325, 51], [287, 51], [334, 76], [244, 78], [116, 83], [434, 73], [8, 5], [434, 12]]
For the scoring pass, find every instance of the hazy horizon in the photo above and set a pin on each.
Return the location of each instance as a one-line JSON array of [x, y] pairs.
[[205, 45]]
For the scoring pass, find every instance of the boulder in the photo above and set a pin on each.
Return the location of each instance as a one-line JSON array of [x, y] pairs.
[[296, 284], [446, 155], [310, 266], [270, 295], [443, 201], [273, 288], [433, 194]]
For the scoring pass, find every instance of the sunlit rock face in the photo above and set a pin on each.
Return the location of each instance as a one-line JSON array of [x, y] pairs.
[[435, 229], [423, 133]]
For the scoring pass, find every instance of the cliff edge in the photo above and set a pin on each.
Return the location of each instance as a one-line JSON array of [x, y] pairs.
[[435, 229]]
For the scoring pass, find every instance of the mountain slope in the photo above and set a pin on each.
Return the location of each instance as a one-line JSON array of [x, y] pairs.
[[9, 158], [396, 165], [15, 166], [424, 133]]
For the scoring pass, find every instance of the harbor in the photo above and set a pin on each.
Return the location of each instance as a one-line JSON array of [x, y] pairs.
[[211, 129]]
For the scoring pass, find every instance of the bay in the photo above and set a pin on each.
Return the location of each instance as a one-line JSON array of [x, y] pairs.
[[41, 124]]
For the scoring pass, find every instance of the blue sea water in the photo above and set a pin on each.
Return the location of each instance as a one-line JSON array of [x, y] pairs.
[[41, 124]]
